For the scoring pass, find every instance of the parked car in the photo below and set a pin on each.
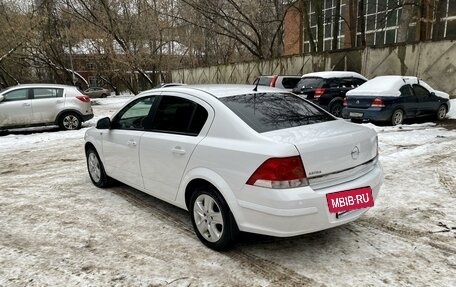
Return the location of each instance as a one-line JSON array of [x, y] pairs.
[[44, 104], [264, 161], [328, 89], [165, 85], [278, 81], [395, 98], [97, 92]]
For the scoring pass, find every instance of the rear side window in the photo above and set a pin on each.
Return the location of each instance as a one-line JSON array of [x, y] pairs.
[[179, 115], [406, 91], [290, 83], [274, 111], [43, 93], [310, 83]]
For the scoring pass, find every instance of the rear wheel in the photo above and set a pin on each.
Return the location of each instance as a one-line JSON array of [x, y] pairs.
[[397, 118], [70, 121], [96, 169], [211, 218], [336, 109], [104, 95], [441, 112]]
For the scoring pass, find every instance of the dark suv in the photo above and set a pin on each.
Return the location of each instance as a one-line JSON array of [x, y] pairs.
[[327, 89]]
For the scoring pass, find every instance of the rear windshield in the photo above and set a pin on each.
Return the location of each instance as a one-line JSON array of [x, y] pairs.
[[264, 81], [266, 112], [310, 83]]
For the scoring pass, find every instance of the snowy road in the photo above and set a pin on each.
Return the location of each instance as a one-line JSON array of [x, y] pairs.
[[58, 229]]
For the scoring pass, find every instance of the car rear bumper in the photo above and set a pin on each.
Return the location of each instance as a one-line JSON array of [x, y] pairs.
[[86, 117], [292, 212], [372, 114]]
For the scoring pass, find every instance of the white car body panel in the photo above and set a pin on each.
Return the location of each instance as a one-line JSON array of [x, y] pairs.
[[15, 112], [228, 151]]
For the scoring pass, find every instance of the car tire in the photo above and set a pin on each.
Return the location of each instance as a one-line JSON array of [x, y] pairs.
[[96, 169], [104, 95], [441, 112], [212, 219], [70, 121], [336, 109], [397, 117]]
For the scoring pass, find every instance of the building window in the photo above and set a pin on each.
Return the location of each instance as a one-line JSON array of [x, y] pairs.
[[90, 66], [328, 15], [93, 81]]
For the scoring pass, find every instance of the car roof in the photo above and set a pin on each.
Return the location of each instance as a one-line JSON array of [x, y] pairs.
[[334, 74], [40, 85], [220, 90], [386, 86]]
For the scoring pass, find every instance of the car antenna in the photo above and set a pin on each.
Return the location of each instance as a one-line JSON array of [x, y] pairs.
[[256, 85]]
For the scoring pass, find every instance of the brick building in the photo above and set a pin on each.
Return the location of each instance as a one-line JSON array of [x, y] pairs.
[[378, 20]]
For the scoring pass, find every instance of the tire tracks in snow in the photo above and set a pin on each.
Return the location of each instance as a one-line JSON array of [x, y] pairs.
[[276, 274]]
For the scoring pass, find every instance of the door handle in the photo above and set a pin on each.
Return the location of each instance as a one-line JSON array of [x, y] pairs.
[[131, 143], [26, 105], [59, 101], [178, 150]]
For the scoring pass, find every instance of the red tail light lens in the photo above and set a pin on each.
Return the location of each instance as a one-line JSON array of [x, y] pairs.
[[84, 99], [284, 172], [319, 92], [273, 81], [378, 103], [345, 102]]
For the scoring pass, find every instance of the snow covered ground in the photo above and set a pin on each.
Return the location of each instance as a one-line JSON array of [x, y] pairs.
[[58, 229]]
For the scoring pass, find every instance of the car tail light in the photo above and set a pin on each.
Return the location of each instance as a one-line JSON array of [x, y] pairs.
[[345, 102], [319, 92], [378, 103], [284, 172], [273, 81], [84, 99]]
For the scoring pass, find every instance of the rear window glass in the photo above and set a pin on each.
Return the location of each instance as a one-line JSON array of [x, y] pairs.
[[274, 111], [264, 81], [310, 83], [290, 83]]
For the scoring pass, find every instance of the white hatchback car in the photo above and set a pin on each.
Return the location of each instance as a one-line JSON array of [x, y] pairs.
[[264, 161], [44, 104]]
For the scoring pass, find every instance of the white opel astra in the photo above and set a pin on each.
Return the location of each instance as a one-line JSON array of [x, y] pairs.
[[239, 158]]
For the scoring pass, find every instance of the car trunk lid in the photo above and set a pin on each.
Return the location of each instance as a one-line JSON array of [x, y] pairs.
[[359, 102], [330, 147]]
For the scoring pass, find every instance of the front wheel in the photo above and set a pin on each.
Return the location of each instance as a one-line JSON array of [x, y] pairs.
[[96, 169], [441, 112], [397, 118], [211, 218], [70, 121]]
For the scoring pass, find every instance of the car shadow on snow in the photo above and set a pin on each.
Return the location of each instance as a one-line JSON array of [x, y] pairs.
[[29, 131], [180, 219]]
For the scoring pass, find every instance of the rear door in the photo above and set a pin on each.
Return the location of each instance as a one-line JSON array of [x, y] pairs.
[[121, 142], [180, 123], [46, 104], [16, 108], [408, 101]]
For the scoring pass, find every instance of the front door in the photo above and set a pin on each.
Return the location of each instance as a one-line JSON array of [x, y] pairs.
[[16, 108], [121, 142]]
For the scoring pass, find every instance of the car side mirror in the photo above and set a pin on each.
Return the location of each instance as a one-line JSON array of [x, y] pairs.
[[432, 94], [2, 98], [104, 123]]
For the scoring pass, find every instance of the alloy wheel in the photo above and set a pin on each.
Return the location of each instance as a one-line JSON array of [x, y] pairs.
[[70, 122], [94, 167], [208, 217]]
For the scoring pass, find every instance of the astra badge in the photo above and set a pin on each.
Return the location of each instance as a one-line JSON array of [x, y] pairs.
[[355, 153]]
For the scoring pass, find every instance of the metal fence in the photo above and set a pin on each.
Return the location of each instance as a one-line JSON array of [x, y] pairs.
[[434, 62]]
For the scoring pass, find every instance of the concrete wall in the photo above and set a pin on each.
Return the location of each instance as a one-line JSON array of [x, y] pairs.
[[434, 62]]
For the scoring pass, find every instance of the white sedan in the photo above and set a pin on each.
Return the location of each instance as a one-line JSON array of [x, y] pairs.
[[239, 158]]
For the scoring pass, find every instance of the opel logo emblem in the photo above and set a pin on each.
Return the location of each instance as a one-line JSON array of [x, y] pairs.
[[355, 153], [357, 101]]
